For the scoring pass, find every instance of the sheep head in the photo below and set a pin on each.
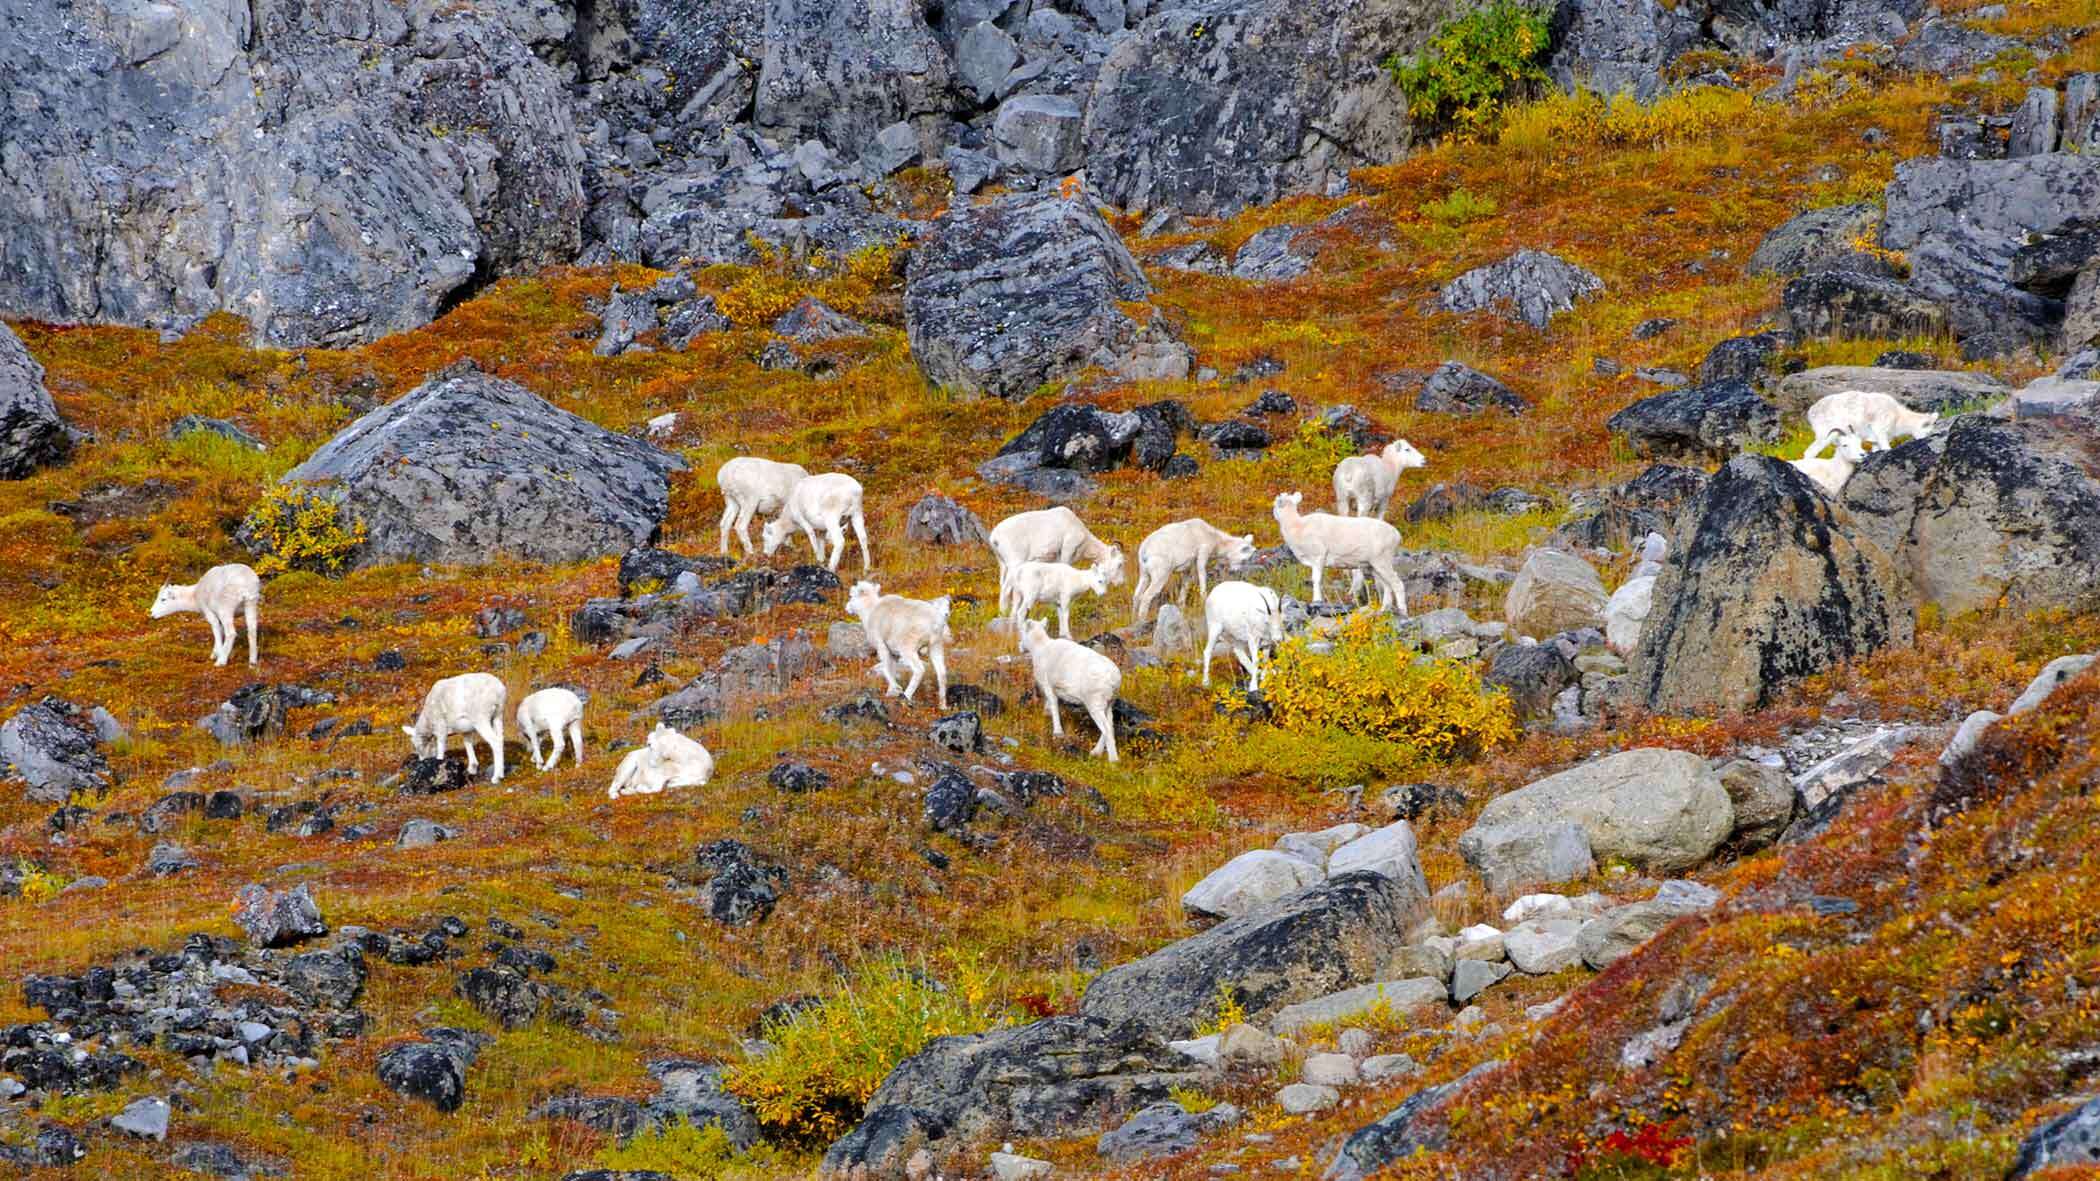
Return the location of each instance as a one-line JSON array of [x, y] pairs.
[[775, 532], [168, 601], [1240, 550], [1402, 455]]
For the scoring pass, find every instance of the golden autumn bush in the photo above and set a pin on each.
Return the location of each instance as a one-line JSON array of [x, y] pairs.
[[1372, 683], [301, 528]]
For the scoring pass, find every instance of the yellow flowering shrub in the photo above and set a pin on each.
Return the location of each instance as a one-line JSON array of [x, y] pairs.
[[297, 527], [1373, 684]]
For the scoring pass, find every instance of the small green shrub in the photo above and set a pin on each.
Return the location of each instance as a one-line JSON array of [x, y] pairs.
[[1308, 457], [1474, 64], [1460, 208], [296, 527], [1373, 684], [688, 1153]]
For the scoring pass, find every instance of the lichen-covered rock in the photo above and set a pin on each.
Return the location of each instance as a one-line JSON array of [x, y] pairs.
[[1826, 239], [1003, 297], [1700, 422], [939, 520], [1850, 305], [433, 1070], [1934, 390], [1661, 810], [1455, 388], [470, 469], [1767, 582], [2069, 1140], [1530, 285], [31, 433], [1555, 591], [842, 73], [51, 746]]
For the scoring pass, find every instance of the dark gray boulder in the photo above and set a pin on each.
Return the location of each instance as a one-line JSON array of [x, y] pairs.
[[1766, 582], [1748, 358], [1456, 388], [1530, 285], [842, 73], [1328, 937], [750, 670], [2070, 1139], [1077, 436], [468, 469], [1039, 133], [1614, 46], [50, 745], [1162, 1129], [1202, 107], [1402, 1132], [433, 1070], [32, 435], [1988, 513], [1700, 422], [1850, 305], [1003, 297], [331, 172], [1941, 391], [279, 918], [938, 520], [627, 315], [1533, 675], [1960, 223], [810, 321], [1825, 239]]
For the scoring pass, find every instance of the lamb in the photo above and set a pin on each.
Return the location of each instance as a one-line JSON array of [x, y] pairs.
[[552, 712], [1364, 484], [469, 704], [1248, 617], [1830, 474], [1171, 549], [1321, 540], [1035, 582], [899, 627], [666, 759], [1875, 417], [752, 485], [1627, 613], [828, 501], [1076, 673], [222, 591], [1050, 535]]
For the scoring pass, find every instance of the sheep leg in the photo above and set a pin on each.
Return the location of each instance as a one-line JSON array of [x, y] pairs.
[[939, 653], [1210, 645], [466, 742], [1356, 583], [554, 745], [860, 534], [1393, 590], [836, 536], [918, 672], [1137, 595], [1318, 567], [1202, 576], [1104, 720], [494, 735], [728, 520], [744, 512], [576, 740], [1057, 725], [1247, 665], [211, 618], [1064, 617], [249, 609], [889, 671], [532, 742]]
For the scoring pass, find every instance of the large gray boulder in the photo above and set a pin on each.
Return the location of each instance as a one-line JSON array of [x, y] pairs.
[[1542, 853], [1620, 46], [1530, 285], [1336, 935], [1248, 882], [1711, 421], [1938, 390], [1824, 239], [1960, 222], [1660, 810], [31, 432], [1987, 513], [331, 172], [1039, 133], [1554, 591], [468, 469], [1003, 297], [841, 72], [2069, 1140], [1215, 105], [50, 745], [1767, 582]]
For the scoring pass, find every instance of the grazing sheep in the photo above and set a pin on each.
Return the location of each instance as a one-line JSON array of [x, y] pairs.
[[828, 502], [553, 712], [1627, 612], [1035, 582], [1050, 535], [1364, 484], [1171, 549], [469, 704], [899, 627], [666, 759], [1247, 617], [1321, 540], [1076, 673], [752, 485], [1830, 474], [1875, 417], [222, 591]]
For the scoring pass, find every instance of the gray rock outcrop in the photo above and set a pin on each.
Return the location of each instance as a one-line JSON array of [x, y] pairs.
[[1660, 810], [31, 433]]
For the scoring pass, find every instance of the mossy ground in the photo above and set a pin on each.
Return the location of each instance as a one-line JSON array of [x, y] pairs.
[[1822, 1067]]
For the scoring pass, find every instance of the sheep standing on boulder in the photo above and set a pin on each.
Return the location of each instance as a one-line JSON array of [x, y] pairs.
[[1831, 474], [1247, 617], [1073, 672], [1050, 535], [553, 712], [900, 627], [1364, 484], [1874, 417], [469, 704], [751, 485], [1321, 540], [828, 502], [222, 591], [666, 759], [1036, 582], [1171, 549]]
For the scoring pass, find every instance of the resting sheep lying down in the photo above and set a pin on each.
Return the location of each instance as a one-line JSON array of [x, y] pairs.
[[1049, 535], [1036, 582], [222, 591], [666, 759], [899, 627], [826, 502], [1321, 540], [553, 712], [1183, 545], [751, 485], [1830, 474], [1876, 418], [470, 704], [1069, 671], [1364, 484], [1247, 617]]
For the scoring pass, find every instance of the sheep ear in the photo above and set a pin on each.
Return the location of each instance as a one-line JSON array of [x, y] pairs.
[[409, 730]]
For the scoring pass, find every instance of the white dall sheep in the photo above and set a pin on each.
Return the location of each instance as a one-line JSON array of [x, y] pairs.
[[1321, 540], [470, 704], [1050, 535], [667, 759], [1171, 549], [828, 502], [1248, 618], [1364, 484], [555, 713], [222, 591], [1830, 474], [1626, 613], [898, 628], [751, 485], [1875, 417], [1070, 671], [1040, 582]]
